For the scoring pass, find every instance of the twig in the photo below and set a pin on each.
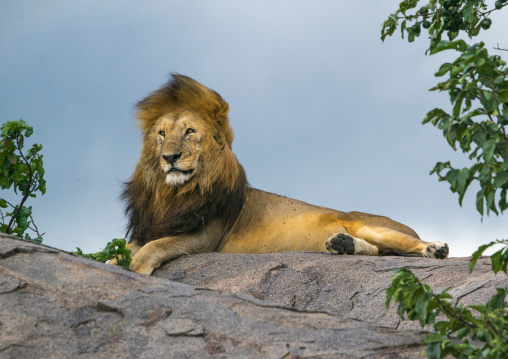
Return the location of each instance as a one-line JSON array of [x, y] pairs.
[[498, 48], [452, 313], [35, 229]]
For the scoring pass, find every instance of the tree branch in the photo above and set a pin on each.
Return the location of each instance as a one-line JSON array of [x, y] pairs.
[[498, 48], [452, 313], [35, 229]]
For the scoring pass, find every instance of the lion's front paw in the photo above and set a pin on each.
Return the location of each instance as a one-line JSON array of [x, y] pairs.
[[340, 243], [437, 250], [140, 266]]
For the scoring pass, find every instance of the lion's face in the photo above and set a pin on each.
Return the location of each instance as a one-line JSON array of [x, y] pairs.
[[180, 141]]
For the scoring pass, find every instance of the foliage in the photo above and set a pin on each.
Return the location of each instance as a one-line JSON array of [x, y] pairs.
[[115, 249], [23, 172], [499, 259], [482, 329], [476, 76], [477, 84]]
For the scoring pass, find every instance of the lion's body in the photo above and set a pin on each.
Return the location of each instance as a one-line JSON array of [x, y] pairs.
[[273, 223], [190, 195]]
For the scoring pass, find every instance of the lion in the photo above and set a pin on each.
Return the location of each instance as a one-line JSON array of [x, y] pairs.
[[189, 194]]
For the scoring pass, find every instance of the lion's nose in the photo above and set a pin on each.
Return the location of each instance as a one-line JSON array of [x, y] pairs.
[[172, 157]]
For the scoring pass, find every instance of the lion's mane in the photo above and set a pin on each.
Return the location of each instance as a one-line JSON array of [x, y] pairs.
[[217, 191]]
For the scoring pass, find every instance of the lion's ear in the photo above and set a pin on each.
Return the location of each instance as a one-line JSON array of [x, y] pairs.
[[219, 138], [222, 120], [226, 132]]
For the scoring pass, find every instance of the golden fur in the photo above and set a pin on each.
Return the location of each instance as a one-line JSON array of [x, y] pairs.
[[189, 194]]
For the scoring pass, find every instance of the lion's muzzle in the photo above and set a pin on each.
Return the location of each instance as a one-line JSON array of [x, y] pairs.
[[176, 173]]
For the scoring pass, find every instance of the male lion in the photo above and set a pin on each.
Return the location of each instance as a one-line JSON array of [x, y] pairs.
[[189, 194]]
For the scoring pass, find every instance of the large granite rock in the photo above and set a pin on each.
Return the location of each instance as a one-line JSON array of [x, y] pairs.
[[56, 305], [347, 286]]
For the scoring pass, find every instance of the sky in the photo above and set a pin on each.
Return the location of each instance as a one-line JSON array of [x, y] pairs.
[[323, 111]]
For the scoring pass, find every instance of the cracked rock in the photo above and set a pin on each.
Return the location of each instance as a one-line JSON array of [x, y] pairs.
[[349, 286], [56, 305]]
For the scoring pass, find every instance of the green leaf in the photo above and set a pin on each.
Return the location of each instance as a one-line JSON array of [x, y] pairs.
[[433, 337], [489, 101], [479, 308], [440, 166], [37, 239], [503, 203], [469, 12], [22, 219], [446, 67], [501, 179], [463, 332], [497, 262], [433, 115], [421, 307], [479, 201], [434, 350], [499, 79], [478, 253], [458, 179], [458, 45], [458, 104], [406, 5], [389, 26], [489, 148], [498, 300], [410, 37], [441, 327]]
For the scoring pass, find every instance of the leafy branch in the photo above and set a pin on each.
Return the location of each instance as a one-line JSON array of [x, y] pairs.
[[24, 173], [475, 77], [478, 88], [438, 17], [488, 323], [477, 84], [115, 249]]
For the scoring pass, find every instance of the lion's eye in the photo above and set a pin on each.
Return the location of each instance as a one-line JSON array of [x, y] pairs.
[[162, 133], [189, 130]]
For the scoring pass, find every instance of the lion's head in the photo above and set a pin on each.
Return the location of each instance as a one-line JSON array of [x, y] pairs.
[[187, 173]]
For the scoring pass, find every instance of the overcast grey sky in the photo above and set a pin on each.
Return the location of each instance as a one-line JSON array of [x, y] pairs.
[[322, 110]]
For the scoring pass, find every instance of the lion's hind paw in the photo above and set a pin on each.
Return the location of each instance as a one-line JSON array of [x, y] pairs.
[[340, 243], [438, 250]]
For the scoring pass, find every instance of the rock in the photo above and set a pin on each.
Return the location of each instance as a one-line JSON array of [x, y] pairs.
[[56, 305], [346, 286]]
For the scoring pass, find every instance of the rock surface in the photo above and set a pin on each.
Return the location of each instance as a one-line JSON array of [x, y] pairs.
[[56, 305], [346, 286]]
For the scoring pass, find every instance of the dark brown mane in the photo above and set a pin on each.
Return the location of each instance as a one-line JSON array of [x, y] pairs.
[[156, 210]]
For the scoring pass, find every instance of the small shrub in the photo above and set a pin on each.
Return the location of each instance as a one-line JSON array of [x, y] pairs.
[[115, 249], [24, 173]]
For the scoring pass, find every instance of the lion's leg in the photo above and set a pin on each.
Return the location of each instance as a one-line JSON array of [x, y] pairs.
[[153, 254], [134, 247], [343, 243], [388, 239], [388, 235]]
